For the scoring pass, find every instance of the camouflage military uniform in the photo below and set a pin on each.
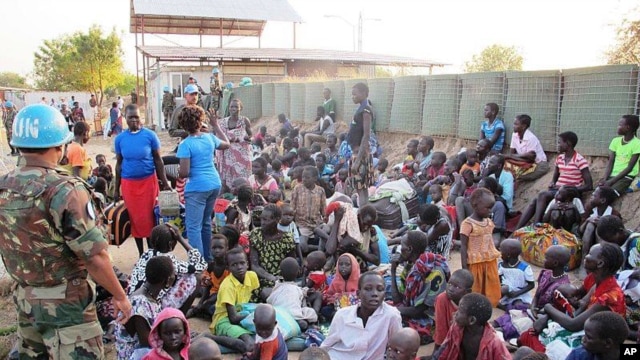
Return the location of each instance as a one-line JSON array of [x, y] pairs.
[[48, 228], [9, 116], [216, 91], [168, 104]]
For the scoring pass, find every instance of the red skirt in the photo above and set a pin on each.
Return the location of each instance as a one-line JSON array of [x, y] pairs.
[[139, 197]]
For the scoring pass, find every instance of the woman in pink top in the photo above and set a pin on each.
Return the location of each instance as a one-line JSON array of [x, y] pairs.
[[260, 181]]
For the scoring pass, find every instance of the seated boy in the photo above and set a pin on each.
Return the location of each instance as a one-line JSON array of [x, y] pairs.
[[403, 345], [235, 289], [212, 277], [470, 330], [604, 332], [269, 340], [447, 303]]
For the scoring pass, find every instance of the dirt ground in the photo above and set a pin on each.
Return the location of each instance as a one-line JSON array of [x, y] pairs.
[[394, 146]]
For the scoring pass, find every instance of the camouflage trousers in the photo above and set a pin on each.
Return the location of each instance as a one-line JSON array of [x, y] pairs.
[[58, 322], [167, 116]]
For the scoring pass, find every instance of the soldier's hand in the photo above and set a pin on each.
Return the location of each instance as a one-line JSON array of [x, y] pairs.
[[122, 307]]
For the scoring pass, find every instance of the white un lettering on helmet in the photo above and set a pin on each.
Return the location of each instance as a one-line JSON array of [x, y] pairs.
[[26, 127]]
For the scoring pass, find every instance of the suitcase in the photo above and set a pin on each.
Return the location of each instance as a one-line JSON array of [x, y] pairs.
[[118, 223], [390, 214]]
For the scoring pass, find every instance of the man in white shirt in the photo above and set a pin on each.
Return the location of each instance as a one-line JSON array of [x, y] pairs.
[[120, 103]]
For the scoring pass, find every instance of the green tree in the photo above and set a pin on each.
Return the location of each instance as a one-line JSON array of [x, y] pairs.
[[90, 61], [11, 79], [495, 58], [627, 47]]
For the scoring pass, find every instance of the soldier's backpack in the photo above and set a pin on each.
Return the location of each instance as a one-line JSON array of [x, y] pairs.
[[118, 223]]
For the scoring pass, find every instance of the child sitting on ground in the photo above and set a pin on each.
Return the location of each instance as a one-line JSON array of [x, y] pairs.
[[556, 259], [350, 333], [409, 160], [315, 149], [436, 167], [169, 337], [600, 204], [295, 177], [212, 277], [290, 297], [403, 345], [604, 332], [471, 163], [611, 229], [101, 160], [269, 340], [516, 277], [309, 201], [471, 336], [341, 182], [276, 197], [162, 242], [304, 158], [235, 289], [342, 290], [380, 176], [204, 348], [287, 225], [277, 173], [316, 279], [565, 210], [314, 353], [447, 302]]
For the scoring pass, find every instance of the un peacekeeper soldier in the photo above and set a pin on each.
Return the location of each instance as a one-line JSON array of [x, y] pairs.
[[9, 115], [191, 95], [216, 90], [49, 243], [168, 104]]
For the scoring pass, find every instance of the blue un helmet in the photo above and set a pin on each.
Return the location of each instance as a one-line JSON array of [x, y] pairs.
[[229, 85], [190, 89], [8, 104], [165, 88], [40, 126], [215, 70]]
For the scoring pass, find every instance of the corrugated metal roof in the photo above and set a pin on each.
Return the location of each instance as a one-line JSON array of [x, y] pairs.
[[172, 53], [263, 10]]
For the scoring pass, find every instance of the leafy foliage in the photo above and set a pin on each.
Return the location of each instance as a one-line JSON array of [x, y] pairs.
[[90, 61], [11, 79], [627, 48], [495, 58]]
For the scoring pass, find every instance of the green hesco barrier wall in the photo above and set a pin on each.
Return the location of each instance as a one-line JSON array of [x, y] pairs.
[[349, 107], [268, 100], [537, 94], [296, 105], [337, 94], [251, 97], [406, 111], [381, 96], [477, 90], [282, 98], [593, 101], [312, 99], [440, 107]]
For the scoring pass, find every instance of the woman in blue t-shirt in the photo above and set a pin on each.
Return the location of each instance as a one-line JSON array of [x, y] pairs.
[[203, 182], [138, 162]]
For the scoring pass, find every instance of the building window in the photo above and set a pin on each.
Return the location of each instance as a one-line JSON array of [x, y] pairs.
[[178, 82]]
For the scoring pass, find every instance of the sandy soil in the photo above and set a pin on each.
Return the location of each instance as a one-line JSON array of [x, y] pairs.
[[125, 256]]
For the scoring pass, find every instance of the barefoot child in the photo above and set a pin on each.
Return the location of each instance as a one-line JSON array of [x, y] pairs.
[[471, 336], [269, 340], [447, 303], [478, 252], [170, 336], [516, 277]]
